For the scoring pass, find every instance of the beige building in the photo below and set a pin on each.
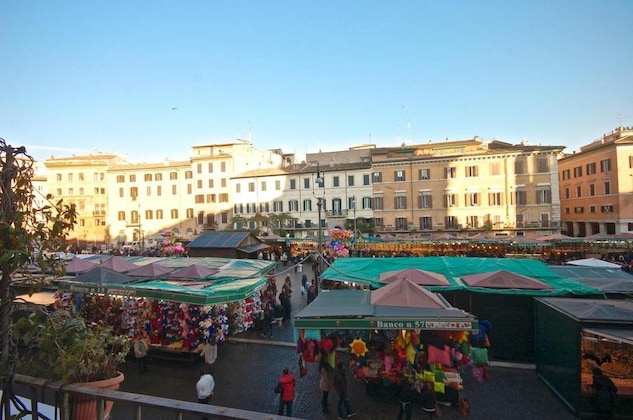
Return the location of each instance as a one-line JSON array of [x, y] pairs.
[[466, 187], [81, 180], [597, 186]]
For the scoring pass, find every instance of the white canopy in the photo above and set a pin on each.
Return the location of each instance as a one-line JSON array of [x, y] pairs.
[[593, 262]]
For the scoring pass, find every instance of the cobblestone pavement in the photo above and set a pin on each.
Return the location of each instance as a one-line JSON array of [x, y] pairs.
[[249, 367]]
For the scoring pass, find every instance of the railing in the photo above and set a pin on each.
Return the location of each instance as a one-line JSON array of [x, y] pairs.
[[34, 390]]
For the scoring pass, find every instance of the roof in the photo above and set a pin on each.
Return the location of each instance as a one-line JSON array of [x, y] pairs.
[[593, 262], [252, 248], [352, 309], [219, 240], [405, 292], [501, 279], [103, 275], [366, 271], [594, 310]]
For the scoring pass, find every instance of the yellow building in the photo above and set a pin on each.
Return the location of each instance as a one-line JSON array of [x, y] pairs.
[[466, 187], [597, 186]]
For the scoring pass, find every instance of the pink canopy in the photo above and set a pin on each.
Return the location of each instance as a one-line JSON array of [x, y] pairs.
[[118, 264], [501, 279], [151, 270], [79, 265], [421, 277], [406, 293], [192, 272]]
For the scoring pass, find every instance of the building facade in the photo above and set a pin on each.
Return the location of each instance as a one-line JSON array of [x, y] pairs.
[[597, 186]]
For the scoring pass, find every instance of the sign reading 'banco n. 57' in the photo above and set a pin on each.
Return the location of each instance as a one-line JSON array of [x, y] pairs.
[[386, 324]]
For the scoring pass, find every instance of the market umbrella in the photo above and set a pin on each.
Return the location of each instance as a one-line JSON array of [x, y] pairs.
[[79, 265], [420, 277], [102, 275], [192, 272], [151, 270], [119, 264], [594, 262], [502, 279], [406, 293]]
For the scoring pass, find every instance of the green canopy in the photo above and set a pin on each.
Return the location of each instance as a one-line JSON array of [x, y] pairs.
[[366, 271]]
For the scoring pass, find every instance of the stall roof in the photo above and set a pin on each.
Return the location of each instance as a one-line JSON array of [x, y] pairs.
[[351, 309], [593, 262], [594, 310], [606, 280], [367, 271], [616, 334]]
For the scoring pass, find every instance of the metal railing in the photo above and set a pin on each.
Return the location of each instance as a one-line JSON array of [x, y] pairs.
[[35, 390]]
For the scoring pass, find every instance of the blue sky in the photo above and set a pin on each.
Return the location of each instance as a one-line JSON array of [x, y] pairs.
[[303, 76]]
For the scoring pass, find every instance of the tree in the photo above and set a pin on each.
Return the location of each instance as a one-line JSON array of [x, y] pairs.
[[28, 235]]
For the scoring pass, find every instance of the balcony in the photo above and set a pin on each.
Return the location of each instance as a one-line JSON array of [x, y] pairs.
[[334, 214]]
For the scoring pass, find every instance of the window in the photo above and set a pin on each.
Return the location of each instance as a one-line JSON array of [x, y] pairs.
[[134, 216], [519, 220], [378, 221], [173, 175], [71, 191], [543, 196], [148, 191], [366, 179], [238, 188], [426, 200], [149, 214], [223, 182], [121, 192], [565, 174], [378, 203], [607, 208], [472, 199], [425, 174], [198, 183], [578, 191], [278, 206], [337, 207], [591, 168], [70, 177], [174, 190], [133, 192], [81, 191], [450, 200], [472, 221], [132, 178], [159, 214], [188, 174], [211, 198], [199, 199], [605, 165], [147, 177], [210, 183], [366, 202], [450, 172], [119, 178], [293, 205], [59, 191], [592, 190], [158, 177], [579, 210], [224, 198], [251, 187], [450, 222], [59, 178], [222, 166], [210, 167], [400, 202], [542, 165], [307, 205], [402, 223], [567, 210], [426, 223], [174, 213], [519, 167], [263, 185], [121, 216], [399, 176], [566, 192], [336, 181], [577, 171], [277, 185], [521, 197], [495, 198], [350, 180], [607, 187], [159, 190], [592, 209], [293, 184], [472, 171], [199, 168], [377, 177], [351, 203], [495, 168]]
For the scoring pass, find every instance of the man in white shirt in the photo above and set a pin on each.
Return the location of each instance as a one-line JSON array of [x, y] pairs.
[[205, 387]]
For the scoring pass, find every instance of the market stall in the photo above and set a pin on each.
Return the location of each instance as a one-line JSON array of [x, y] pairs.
[[573, 336], [400, 333], [179, 314]]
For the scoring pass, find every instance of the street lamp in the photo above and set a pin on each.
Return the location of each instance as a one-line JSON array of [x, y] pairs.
[[354, 236], [320, 181]]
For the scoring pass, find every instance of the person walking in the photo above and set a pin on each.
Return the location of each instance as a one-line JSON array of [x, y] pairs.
[[606, 393], [205, 387], [429, 399], [268, 320], [407, 395], [141, 345], [325, 382], [210, 352], [340, 386], [287, 383]]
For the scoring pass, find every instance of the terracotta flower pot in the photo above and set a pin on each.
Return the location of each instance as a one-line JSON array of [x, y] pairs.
[[86, 409]]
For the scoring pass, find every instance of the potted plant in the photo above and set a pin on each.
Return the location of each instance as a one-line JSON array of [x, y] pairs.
[[64, 347]]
